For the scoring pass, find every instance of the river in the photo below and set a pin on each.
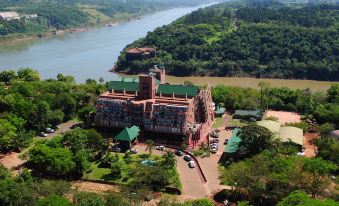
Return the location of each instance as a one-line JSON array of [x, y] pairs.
[[84, 55]]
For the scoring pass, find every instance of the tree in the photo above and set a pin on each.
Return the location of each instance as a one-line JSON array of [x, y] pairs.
[[298, 198], [268, 177], [150, 146], [55, 117], [169, 160], [7, 135], [325, 130], [255, 139], [53, 200], [150, 177], [52, 161], [263, 92], [116, 168], [333, 94], [28, 75], [7, 76]]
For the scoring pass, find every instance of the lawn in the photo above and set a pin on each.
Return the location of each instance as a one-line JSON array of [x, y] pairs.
[[96, 172], [218, 122]]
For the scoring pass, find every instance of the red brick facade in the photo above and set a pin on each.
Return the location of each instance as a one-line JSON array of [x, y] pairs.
[[172, 114]]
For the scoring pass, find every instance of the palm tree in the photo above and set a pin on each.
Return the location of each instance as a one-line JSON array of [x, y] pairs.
[[150, 146]]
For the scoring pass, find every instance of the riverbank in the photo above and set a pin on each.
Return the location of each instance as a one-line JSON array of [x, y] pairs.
[[253, 82], [315, 86]]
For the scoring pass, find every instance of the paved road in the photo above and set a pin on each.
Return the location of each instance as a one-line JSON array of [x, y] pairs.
[[193, 186], [210, 164], [64, 127]]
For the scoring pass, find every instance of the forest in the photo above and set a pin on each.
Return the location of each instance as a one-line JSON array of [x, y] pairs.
[[66, 14], [239, 39]]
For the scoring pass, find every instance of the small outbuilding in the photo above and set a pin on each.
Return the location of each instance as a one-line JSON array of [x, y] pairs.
[[271, 125], [293, 134], [248, 114], [137, 53], [9, 15], [128, 135]]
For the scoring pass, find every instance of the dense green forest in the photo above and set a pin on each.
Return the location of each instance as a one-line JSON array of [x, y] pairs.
[[247, 39], [65, 14]]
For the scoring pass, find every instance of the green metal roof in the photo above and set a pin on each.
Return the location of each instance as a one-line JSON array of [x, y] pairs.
[[120, 85], [233, 142], [220, 110], [178, 90], [248, 112], [128, 134]]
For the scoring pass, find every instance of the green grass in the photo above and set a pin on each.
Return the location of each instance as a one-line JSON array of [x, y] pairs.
[[218, 122]]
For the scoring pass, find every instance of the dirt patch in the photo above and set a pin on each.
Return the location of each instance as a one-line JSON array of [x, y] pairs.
[[284, 117], [310, 148], [12, 161], [94, 187]]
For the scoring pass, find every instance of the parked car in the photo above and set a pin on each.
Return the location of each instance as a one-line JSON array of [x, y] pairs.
[[43, 134], [187, 158], [160, 147], [213, 151], [179, 153], [191, 164], [49, 130], [214, 144], [226, 142], [252, 120], [214, 141], [133, 151], [214, 147], [214, 134], [116, 149]]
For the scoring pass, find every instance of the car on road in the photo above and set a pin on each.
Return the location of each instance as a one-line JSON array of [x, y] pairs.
[[213, 151], [116, 149], [133, 151], [226, 142], [191, 164], [187, 158], [214, 147], [160, 147], [49, 130], [43, 134], [214, 141], [214, 134], [179, 153]]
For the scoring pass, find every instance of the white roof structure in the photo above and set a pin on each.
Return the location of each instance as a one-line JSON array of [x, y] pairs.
[[271, 125], [285, 134], [293, 134], [9, 15]]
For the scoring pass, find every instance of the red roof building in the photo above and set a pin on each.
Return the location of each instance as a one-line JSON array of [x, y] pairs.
[[140, 53], [167, 114]]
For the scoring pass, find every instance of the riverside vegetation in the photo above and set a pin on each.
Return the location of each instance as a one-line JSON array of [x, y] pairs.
[[240, 38], [67, 14]]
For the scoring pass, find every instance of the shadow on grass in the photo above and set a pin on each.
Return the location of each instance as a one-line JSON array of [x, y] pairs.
[[110, 177]]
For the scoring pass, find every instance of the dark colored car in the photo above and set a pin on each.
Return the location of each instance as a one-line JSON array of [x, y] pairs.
[[116, 149], [226, 142], [214, 134], [179, 153], [214, 141], [187, 158]]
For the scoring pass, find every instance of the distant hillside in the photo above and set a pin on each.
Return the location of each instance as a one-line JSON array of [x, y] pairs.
[[257, 39], [65, 14]]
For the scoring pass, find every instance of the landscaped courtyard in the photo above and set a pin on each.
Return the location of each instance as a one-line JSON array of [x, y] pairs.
[[129, 165]]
